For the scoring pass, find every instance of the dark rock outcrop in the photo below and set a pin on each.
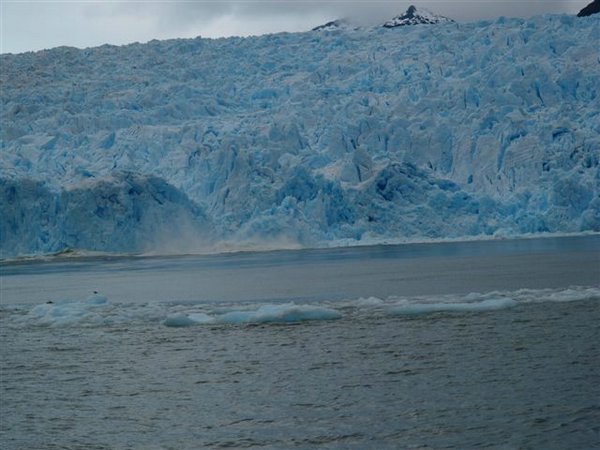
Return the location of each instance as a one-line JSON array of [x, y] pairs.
[[592, 8]]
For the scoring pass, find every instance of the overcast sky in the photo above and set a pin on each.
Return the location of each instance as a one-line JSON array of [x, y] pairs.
[[35, 25]]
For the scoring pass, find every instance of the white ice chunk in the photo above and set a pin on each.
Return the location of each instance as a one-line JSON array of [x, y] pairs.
[[286, 313], [428, 308]]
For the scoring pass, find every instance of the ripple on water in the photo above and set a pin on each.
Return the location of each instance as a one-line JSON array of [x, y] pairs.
[[522, 376]]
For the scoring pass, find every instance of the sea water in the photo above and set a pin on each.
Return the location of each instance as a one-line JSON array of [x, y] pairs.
[[456, 345]]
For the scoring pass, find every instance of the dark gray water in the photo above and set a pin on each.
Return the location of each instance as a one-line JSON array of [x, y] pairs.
[[425, 364]]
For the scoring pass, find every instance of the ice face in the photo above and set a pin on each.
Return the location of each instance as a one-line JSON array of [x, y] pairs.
[[303, 139]]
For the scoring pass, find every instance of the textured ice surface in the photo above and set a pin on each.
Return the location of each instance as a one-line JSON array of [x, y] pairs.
[[303, 139]]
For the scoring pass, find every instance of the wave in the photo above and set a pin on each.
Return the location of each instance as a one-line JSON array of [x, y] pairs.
[[97, 310], [498, 236], [491, 301]]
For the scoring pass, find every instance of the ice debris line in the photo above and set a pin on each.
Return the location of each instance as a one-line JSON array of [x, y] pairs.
[[97, 311], [305, 139]]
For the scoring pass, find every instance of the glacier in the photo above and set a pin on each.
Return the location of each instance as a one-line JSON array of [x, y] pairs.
[[303, 139]]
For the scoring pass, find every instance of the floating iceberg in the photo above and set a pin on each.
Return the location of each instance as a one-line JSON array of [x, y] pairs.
[[68, 313], [285, 313], [428, 308]]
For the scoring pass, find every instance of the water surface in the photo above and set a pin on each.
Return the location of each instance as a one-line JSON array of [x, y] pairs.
[[463, 345]]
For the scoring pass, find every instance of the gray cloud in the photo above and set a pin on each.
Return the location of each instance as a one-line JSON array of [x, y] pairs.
[[365, 11], [45, 24]]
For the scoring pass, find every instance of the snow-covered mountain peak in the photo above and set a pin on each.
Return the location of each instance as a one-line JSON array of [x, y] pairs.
[[416, 16]]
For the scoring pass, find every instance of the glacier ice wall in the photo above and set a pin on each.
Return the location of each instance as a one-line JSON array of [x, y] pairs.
[[309, 138], [124, 213]]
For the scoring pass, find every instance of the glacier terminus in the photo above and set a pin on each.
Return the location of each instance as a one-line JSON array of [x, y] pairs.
[[334, 136]]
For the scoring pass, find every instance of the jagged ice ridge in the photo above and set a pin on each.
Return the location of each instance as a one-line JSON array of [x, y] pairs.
[[303, 139]]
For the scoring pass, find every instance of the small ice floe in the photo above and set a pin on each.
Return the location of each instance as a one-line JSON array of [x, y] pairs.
[[571, 294], [428, 308], [186, 320], [65, 313], [286, 313]]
